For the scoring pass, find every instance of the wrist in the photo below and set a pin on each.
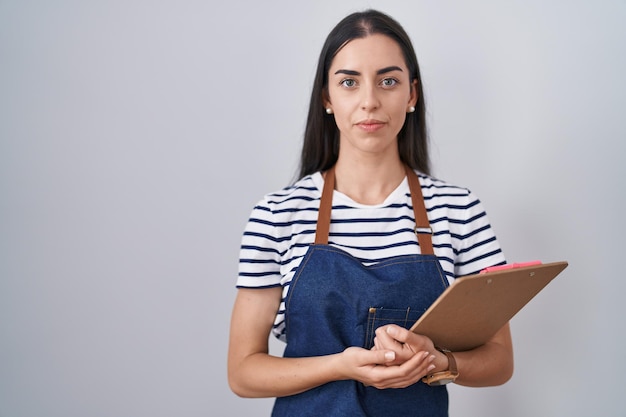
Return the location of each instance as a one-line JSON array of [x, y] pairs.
[[446, 376], [337, 369], [441, 361]]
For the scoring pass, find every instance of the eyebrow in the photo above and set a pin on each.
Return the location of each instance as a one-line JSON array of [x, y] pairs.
[[379, 72]]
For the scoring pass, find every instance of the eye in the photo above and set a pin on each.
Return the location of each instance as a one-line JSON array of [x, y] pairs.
[[348, 83], [389, 82]]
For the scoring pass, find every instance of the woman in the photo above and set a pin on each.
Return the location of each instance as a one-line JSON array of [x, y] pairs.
[[340, 264]]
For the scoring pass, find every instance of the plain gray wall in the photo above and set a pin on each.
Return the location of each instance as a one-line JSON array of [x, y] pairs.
[[136, 136]]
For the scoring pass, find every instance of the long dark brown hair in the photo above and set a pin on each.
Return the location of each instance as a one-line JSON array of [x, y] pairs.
[[321, 136]]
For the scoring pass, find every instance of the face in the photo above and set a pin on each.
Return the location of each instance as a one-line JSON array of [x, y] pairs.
[[370, 92]]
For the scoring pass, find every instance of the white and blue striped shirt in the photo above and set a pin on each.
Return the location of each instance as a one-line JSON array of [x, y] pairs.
[[282, 226]]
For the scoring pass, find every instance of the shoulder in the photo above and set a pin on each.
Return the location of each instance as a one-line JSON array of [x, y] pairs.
[[304, 190], [294, 203], [438, 192], [461, 225]]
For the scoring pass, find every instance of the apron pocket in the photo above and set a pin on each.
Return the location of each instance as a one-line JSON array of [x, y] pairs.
[[380, 316]]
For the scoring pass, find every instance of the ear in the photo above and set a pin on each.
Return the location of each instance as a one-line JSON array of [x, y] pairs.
[[414, 93], [326, 99]]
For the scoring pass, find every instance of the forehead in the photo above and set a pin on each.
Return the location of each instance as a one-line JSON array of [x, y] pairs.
[[372, 52]]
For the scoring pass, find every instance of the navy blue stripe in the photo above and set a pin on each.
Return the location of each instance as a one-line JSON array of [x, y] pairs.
[[470, 248], [261, 208], [259, 248], [372, 234], [468, 221], [444, 245], [297, 245], [455, 206], [280, 239], [370, 220], [259, 287], [294, 198], [445, 259], [472, 233], [265, 236], [257, 274], [478, 258], [296, 210], [258, 261], [281, 224]]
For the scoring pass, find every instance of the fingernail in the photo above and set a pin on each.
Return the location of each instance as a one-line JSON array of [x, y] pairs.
[[391, 330], [390, 356], [431, 367], [432, 358]]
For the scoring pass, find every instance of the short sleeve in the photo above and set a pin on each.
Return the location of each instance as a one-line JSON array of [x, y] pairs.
[[477, 247], [259, 257]]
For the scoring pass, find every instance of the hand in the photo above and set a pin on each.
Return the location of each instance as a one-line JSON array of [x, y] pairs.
[[375, 367], [404, 343]]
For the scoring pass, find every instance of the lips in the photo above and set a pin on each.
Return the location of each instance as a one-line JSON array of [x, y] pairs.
[[370, 125]]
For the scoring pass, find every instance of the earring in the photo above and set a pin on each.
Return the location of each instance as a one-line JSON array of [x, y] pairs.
[[329, 110], [411, 109]]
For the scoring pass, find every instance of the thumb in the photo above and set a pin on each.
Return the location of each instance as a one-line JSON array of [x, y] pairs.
[[398, 333]]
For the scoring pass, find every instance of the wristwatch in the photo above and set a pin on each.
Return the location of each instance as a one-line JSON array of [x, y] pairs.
[[444, 377]]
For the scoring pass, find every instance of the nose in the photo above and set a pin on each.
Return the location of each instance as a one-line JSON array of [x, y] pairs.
[[369, 98]]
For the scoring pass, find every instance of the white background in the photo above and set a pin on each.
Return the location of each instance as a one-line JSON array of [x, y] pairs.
[[136, 136]]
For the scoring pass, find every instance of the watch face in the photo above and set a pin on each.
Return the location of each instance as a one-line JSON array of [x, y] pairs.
[[440, 378]]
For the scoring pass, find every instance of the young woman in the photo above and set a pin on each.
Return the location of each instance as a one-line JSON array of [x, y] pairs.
[[341, 263]]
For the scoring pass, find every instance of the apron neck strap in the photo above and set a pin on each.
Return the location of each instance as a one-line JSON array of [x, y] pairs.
[[422, 226], [326, 204], [423, 231]]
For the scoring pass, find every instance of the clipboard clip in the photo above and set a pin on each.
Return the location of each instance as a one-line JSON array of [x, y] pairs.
[[509, 266]]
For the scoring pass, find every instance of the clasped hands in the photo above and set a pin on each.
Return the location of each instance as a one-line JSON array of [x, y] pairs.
[[398, 359]]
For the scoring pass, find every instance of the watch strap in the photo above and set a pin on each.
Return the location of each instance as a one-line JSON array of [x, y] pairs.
[[451, 361]]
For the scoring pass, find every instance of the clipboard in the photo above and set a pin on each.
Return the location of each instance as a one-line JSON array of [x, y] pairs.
[[474, 307]]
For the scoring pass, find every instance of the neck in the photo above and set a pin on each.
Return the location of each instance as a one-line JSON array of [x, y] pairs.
[[368, 182]]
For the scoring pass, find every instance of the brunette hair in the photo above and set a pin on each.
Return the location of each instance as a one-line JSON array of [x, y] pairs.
[[320, 148]]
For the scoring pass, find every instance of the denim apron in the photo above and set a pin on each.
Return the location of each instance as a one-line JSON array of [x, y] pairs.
[[334, 302]]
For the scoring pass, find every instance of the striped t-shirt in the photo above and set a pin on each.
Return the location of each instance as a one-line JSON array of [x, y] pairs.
[[282, 226]]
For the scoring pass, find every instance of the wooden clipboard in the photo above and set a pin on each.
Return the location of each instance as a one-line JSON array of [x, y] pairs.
[[473, 308]]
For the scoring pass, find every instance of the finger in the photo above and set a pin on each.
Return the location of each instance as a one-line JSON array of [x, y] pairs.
[[421, 363], [406, 374], [398, 333], [416, 341], [385, 337], [377, 345], [375, 357]]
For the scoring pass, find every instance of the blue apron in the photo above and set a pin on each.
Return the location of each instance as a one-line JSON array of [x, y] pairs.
[[335, 302]]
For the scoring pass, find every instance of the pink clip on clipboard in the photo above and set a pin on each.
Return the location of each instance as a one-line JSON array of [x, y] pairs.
[[509, 266]]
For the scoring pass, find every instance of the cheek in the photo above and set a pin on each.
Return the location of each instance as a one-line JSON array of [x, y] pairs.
[[342, 112], [400, 108], [342, 120]]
